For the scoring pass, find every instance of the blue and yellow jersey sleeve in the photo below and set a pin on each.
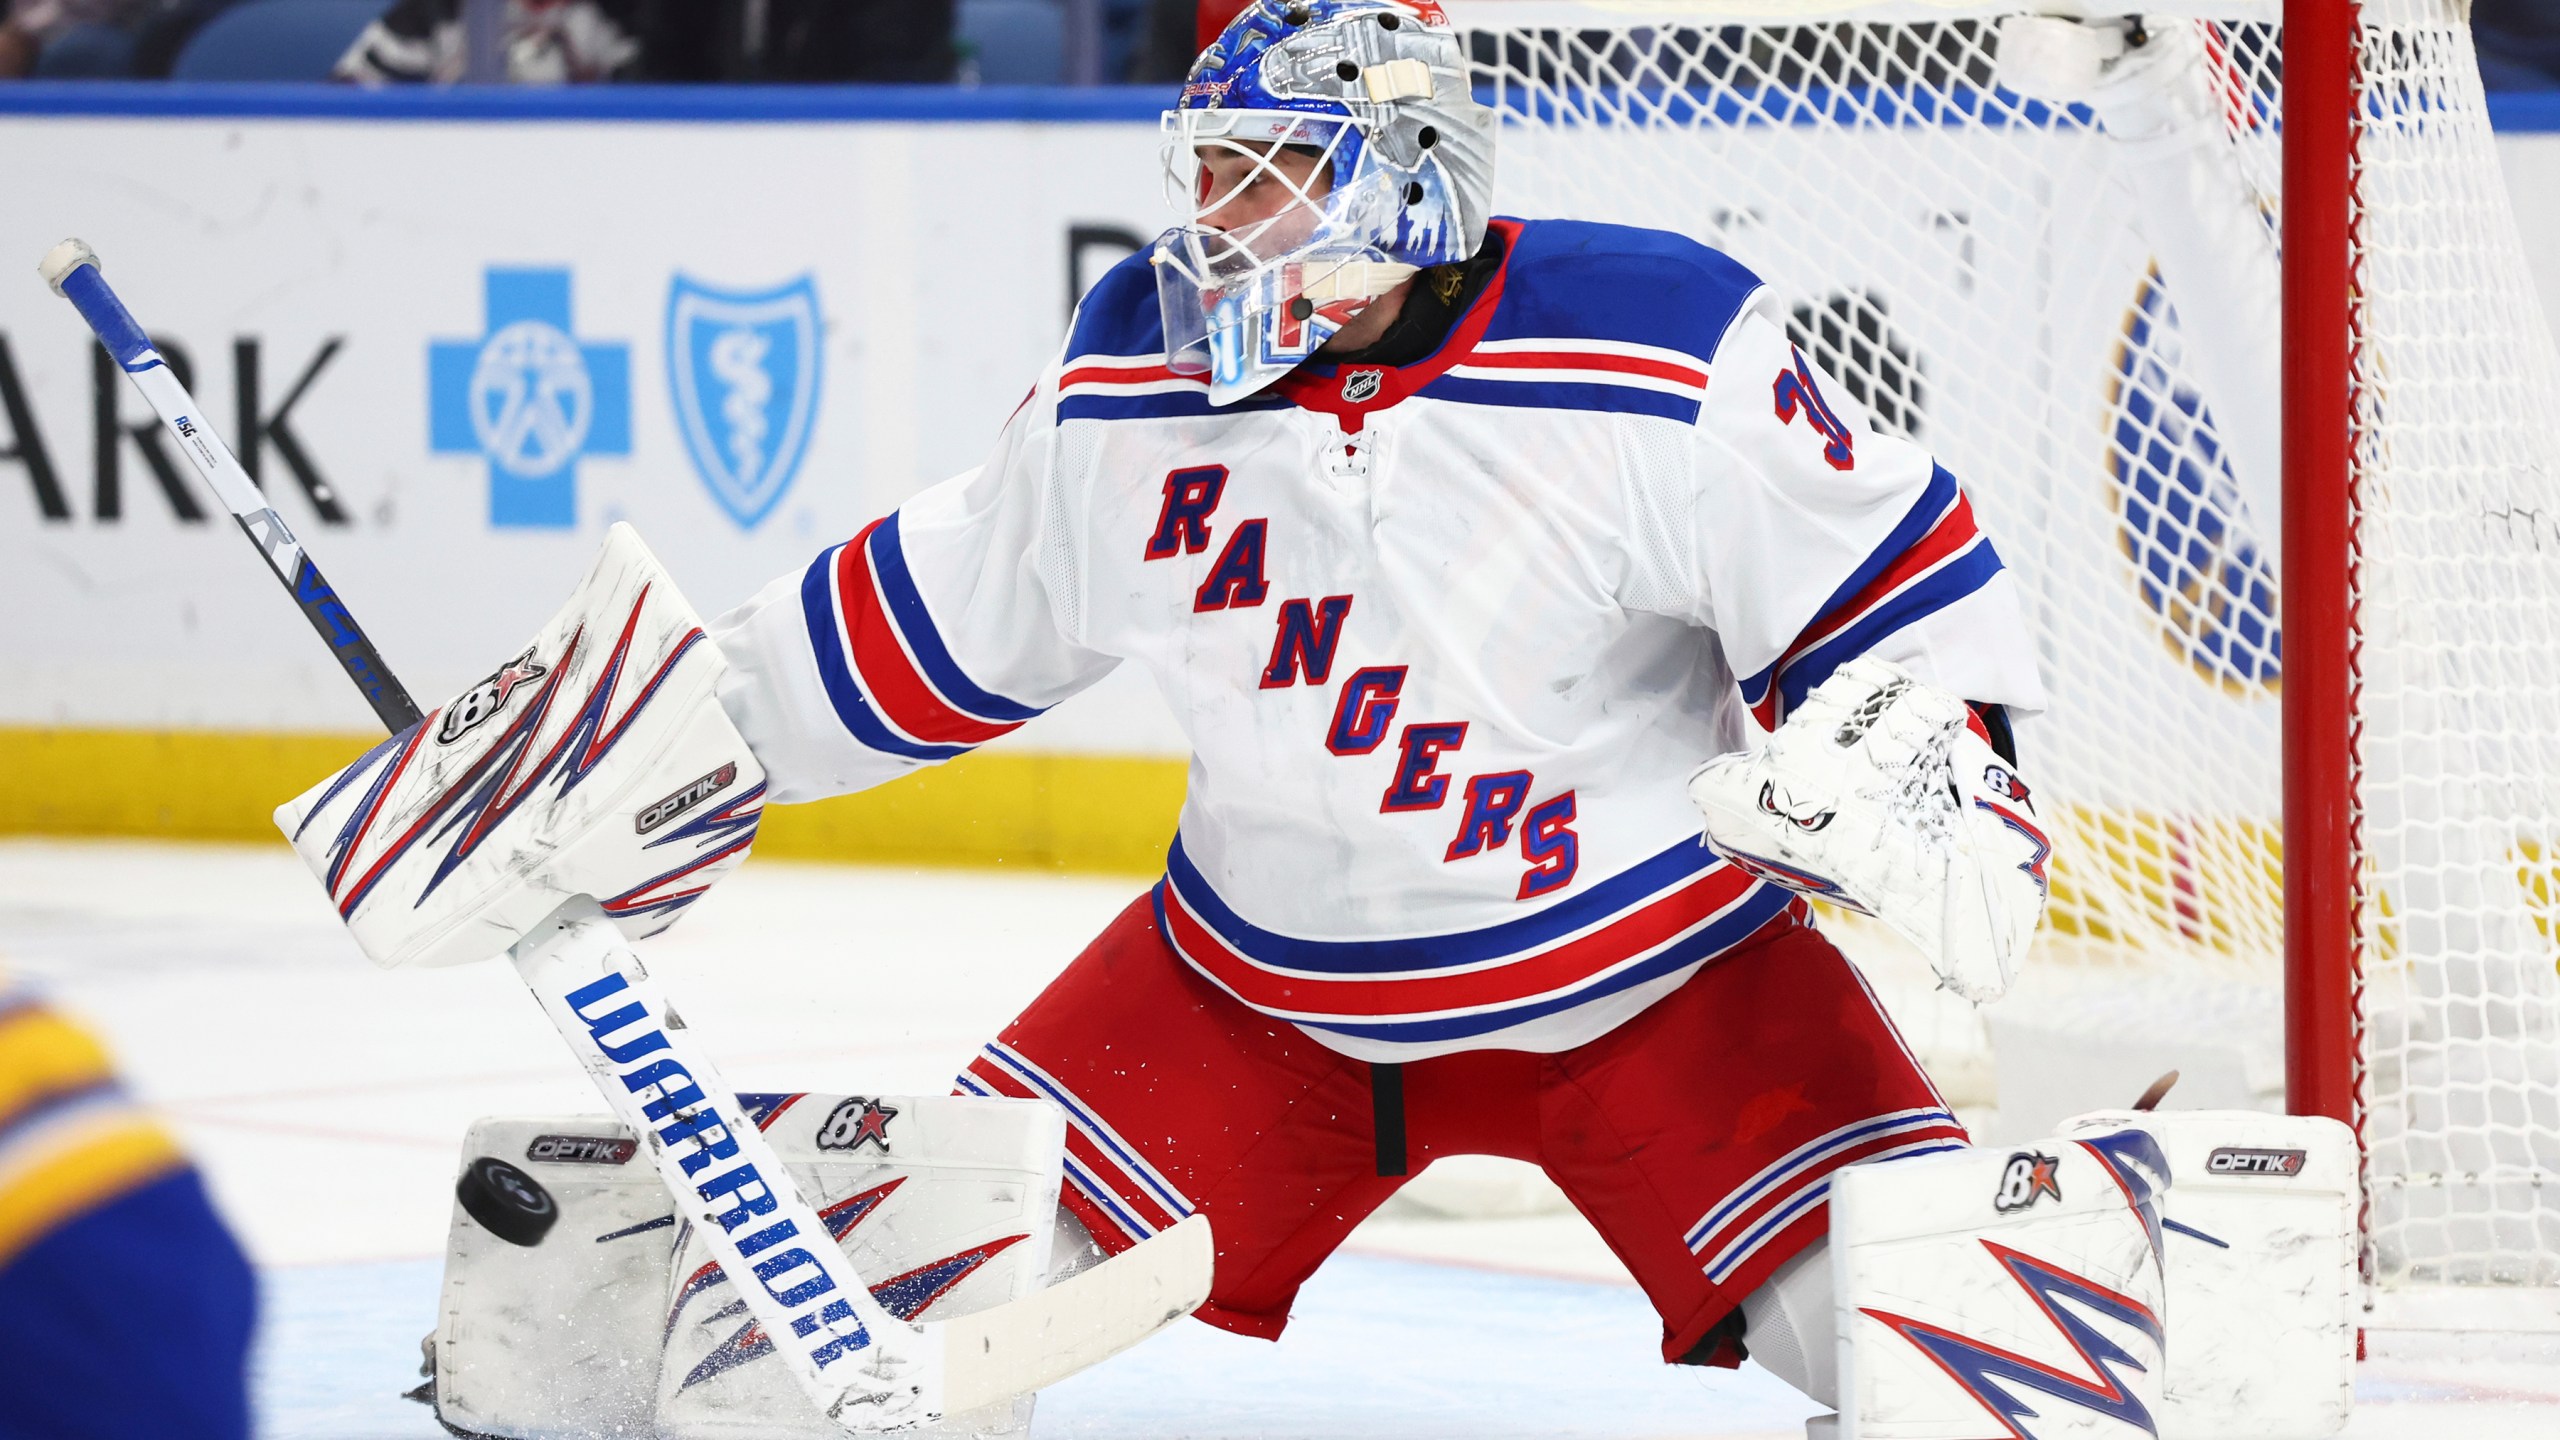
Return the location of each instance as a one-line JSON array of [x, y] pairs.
[[124, 1300], [70, 1138]]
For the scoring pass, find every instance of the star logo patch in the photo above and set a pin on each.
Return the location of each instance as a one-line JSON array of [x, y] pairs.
[[856, 1122], [2026, 1179], [483, 702], [509, 676]]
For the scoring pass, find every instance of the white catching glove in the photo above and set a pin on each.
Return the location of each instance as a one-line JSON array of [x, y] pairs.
[[1879, 795]]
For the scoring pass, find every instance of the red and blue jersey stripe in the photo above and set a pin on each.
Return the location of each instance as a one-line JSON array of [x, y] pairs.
[[1798, 1184], [1577, 374], [1657, 919], [886, 668], [1616, 323], [1139, 387], [1110, 1185], [1117, 369], [1935, 557]]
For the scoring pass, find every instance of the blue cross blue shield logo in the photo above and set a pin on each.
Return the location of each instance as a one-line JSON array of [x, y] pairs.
[[744, 366], [530, 397]]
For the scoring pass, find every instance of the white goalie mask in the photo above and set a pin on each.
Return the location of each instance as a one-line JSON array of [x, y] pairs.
[[1375, 93]]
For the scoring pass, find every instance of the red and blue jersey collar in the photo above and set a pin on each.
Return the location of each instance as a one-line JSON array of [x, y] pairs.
[[1344, 390]]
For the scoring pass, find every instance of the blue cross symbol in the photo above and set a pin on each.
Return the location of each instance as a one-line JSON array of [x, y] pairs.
[[529, 398]]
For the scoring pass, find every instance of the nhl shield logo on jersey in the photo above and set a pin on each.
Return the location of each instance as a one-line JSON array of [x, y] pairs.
[[1361, 386], [744, 368]]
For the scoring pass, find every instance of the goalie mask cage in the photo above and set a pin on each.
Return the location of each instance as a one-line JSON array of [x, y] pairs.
[[2297, 599]]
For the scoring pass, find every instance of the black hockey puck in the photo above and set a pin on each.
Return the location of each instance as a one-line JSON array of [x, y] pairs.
[[507, 1202]]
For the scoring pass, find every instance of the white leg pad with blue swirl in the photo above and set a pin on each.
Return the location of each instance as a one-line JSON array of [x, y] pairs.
[[2259, 1236], [1979, 1289], [2063, 1288], [617, 1318]]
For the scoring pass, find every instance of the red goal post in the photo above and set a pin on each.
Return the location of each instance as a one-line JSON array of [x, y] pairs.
[[2323, 1021]]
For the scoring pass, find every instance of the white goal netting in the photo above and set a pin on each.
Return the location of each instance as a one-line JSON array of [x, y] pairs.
[[2072, 300]]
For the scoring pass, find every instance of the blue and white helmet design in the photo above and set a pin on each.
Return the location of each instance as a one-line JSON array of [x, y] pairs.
[[1375, 89]]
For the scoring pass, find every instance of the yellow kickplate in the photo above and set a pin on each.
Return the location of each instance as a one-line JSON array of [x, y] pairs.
[[1103, 814]]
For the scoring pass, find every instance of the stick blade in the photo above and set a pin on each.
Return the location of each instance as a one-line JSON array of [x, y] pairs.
[[2158, 1092], [1042, 1338]]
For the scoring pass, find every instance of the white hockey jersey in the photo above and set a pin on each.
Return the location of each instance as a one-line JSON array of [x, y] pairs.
[[1447, 638]]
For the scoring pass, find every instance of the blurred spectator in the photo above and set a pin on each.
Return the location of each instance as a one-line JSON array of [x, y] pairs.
[[1124, 37], [1167, 45], [548, 42], [125, 1305], [99, 39], [796, 41], [70, 39], [159, 38], [674, 41], [2519, 43]]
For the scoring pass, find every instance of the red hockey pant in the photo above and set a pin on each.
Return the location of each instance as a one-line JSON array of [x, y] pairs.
[[1697, 1137]]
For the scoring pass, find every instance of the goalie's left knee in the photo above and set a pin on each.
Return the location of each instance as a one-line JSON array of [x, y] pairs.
[[1791, 1327]]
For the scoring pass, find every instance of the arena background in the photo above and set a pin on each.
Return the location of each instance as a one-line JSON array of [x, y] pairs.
[[777, 313], [339, 274]]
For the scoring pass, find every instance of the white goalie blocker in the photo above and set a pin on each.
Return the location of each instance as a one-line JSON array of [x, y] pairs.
[[598, 762], [576, 1304], [2189, 1275]]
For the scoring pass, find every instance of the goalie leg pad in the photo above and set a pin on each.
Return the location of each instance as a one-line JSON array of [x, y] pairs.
[[617, 1321], [1980, 1287], [2260, 1245]]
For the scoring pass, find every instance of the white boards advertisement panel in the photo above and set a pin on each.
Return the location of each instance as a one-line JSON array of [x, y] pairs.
[[457, 340], [455, 351]]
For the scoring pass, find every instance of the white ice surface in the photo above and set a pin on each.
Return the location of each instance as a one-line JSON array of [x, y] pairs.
[[325, 1101]]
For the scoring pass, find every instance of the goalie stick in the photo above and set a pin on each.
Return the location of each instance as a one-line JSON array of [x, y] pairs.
[[71, 268], [865, 1369]]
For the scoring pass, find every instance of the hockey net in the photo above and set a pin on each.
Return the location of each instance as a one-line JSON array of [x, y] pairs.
[[2068, 291]]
